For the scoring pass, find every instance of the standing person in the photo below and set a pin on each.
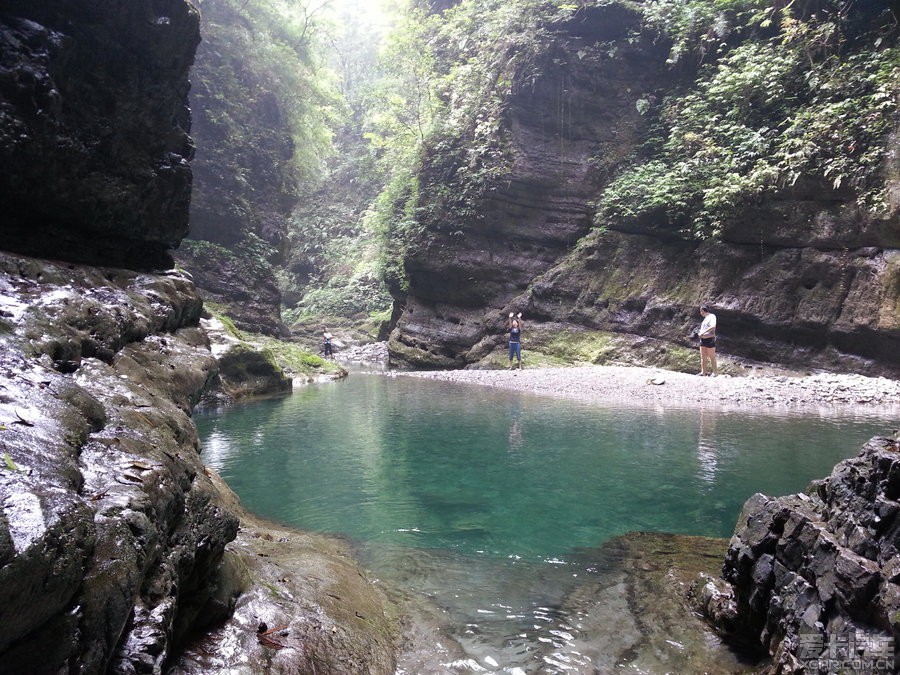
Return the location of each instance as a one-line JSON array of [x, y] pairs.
[[326, 343], [707, 335], [514, 326]]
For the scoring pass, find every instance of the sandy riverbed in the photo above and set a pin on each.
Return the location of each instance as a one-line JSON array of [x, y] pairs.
[[624, 384]]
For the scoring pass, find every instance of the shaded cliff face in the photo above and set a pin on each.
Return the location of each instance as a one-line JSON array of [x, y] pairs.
[[94, 126], [245, 175], [801, 277], [243, 285]]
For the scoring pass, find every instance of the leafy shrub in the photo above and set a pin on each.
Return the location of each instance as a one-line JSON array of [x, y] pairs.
[[766, 113]]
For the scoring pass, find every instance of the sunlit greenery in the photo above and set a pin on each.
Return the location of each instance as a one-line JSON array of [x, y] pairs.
[[768, 112], [441, 107], [260, 69], [396, 131]]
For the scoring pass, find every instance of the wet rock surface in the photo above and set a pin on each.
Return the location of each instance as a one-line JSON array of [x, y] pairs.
[[813, 578], [113, 534], [247, 291]]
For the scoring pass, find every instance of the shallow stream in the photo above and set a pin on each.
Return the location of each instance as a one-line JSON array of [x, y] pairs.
[[488, 503]]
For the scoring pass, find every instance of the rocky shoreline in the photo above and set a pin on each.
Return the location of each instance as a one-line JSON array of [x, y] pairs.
[[653, 386]]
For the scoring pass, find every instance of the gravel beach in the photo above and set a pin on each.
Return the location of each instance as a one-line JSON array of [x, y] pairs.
[[651, 386]]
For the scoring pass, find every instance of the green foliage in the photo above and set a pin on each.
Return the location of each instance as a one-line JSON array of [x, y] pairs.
[[767, 113], [294, 359], [700, 27], [9, 463], [259, 56], [220, 312], [437, 118]]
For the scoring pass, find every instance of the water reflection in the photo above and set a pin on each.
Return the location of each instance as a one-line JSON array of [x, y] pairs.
[[706, 447], [482, 500]]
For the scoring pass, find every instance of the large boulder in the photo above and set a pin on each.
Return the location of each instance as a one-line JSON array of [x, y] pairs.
[[814, 578]]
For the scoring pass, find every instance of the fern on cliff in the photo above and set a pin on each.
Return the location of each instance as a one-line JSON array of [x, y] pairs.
[[803, 103], [464, 62]]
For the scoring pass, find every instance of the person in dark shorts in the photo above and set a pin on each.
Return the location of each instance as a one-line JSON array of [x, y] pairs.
[[707, 335]]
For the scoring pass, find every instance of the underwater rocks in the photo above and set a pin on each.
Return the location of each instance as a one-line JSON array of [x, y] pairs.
[[94, 124], [638, 618], [814, 579], [304, 607]]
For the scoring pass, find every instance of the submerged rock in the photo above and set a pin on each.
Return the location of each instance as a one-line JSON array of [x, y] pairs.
[[814, 578], [639, 617], [304, 607]]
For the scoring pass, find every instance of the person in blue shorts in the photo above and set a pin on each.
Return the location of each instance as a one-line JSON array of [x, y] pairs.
[[514, 326]]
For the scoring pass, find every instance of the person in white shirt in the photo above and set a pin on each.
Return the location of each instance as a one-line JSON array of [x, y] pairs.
[[707, 335]]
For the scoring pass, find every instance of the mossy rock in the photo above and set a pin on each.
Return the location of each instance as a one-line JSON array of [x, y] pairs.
[[296, 360], [245, 371], [551, 346]]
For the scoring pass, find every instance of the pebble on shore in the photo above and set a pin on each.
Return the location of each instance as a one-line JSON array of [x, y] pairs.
[[627, 384]]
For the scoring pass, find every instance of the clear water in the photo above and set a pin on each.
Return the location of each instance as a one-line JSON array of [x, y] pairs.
[[484, 500]]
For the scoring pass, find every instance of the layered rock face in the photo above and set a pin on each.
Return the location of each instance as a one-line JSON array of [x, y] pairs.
[[468, 273], [244, 182], [815, 578], [248, 292], [797, 305], [94, 129], [111, 533], [801, 278]]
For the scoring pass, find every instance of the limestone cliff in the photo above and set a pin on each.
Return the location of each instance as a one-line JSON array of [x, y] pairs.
[[800, 276], [113, 534]]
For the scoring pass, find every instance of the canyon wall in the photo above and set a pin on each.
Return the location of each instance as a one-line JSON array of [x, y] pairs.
[[94, 129], [802, 277], [118, 547]]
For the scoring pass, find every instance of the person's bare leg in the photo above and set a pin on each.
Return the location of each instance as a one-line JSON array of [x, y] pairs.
[[703, 360], [712, 360]]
